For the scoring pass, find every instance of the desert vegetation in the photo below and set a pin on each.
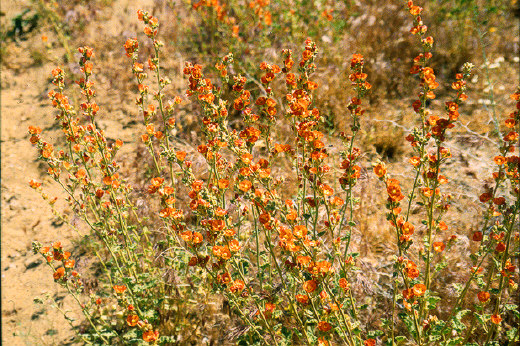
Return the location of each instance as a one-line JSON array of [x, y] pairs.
[[297, 173]]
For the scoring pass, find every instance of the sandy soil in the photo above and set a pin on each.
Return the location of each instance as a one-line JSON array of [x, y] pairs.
[[25, 216]]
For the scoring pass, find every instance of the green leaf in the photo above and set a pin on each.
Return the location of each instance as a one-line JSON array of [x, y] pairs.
[[511, 307], [482, 319], [432, 302], [433, 338], [441, 266], [512, 334], [400, 339], [455, 342]]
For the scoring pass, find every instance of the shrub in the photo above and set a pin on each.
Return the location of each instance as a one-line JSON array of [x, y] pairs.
[[267, 226]]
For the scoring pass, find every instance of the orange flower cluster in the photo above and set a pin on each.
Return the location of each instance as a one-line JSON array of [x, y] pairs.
[[411, 293], [65, 274], [263, 14], [508, 165], [208, 8], [405, 229], [152, 23], [394, 191]]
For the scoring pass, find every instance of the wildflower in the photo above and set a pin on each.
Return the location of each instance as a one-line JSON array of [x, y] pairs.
[[132, 320], [499, 160], [33, 184], [486, 196], [59, 273], [511, 136], [324, 326], [501, 247], [310, 286], [300, 231], [439, 246], [223, 184], [357, 59], [237, 286], [380, 170], [269, 308], [234, 245], [394, 190], [197, 238], [343, 283], [496, 319], [415, 161], [131, 45], [419, 289], [322, 342], [302, 299], [150, 335], [483, 296], [119, 288], [408, 228], [245, 185], [411, 270]]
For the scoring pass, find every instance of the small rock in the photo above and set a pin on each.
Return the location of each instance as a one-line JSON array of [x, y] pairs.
[[32, 263]]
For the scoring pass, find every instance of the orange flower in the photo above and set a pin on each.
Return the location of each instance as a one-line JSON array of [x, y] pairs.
[[511, 136], [310, 286], [119, 288], [302, 299], [499, 200], [499, 160], [300, 231], [486, 196], [59, 273], [197, 185], [245, 185], [132, 320], [197, 238], [34, 184], [234, 246], [187, 236], [369, 342], [439, 246], [501, 247], [181, 155], [269, 307], [394, 190], [343, 283], [411, 270], [510, 123], [419, 289], [380, 170], [427, 192], [496, 319], [357, 59], [415, 161], [150, 335], [324, 326], [237, 286], [415, 10], [483, 296], [408, 228], [323, 342], [223, 184]]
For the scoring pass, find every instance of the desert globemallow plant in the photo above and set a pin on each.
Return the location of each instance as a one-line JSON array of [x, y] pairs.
[[268, 227]]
